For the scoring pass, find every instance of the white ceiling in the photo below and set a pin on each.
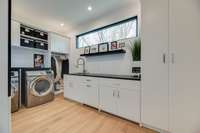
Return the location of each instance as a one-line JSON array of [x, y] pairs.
[[49, 14]]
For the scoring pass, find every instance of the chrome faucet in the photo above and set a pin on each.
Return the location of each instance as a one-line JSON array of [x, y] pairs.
[[81, 62]]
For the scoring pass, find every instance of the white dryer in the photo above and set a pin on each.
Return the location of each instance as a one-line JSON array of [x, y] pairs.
[[39, 87]]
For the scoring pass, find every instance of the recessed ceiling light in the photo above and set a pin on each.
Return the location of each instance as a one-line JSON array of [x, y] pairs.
[[62, 24], [89, 8]]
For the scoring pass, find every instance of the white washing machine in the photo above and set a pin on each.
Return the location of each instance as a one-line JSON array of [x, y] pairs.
[[15, 91], [39, 86]]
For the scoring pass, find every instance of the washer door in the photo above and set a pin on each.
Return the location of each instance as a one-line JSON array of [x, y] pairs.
[[41, 86]]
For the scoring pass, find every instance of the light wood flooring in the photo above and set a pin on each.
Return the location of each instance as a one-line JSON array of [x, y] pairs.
[[63, 116]]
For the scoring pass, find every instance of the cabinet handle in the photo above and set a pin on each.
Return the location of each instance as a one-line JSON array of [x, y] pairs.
[[118, 95], [172, 55], [88, 85], [113, 93], [88, 80], [164, 58]]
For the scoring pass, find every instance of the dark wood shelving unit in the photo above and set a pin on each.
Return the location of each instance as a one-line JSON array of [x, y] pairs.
[[121, 51]]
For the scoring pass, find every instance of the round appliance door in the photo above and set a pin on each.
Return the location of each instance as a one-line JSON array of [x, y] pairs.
[[41, 86]]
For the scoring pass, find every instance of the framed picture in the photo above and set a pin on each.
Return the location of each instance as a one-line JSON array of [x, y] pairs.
[[113, 46], [38, 61], [103, 47], [87, 50], [94, 49], [121, 45]]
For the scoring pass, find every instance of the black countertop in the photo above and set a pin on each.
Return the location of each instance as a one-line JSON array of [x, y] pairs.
[[125, 77]]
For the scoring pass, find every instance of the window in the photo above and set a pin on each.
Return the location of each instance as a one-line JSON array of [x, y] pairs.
[[120, 30]]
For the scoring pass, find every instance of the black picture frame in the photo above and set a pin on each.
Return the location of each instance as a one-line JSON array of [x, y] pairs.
[[38, 61], [103, 47], [87, 50], [113, 46]]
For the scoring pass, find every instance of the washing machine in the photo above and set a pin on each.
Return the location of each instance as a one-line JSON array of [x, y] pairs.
[[39, 87], [15, 91]]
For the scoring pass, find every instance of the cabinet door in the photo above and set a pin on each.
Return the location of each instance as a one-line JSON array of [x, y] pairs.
[[155, 74], [91, 96], [128, 104], [15, 33], [107, 98], [59, 44], [72, 89], [184, 69]]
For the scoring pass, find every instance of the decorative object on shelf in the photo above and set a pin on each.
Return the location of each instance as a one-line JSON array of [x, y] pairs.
[[103, 47], [113, 46], [94, 49], [136, 49], [87, 50], [38, 61], [121, 45]]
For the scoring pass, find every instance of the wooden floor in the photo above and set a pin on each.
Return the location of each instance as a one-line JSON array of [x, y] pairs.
[[62, 116]]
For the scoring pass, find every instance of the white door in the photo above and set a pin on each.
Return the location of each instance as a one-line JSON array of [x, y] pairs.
[[185, 71], [107, 98], [128, 104], [73, 90], [91, 96], [15, 33], [59, 43], [154, 34], [4, 100]]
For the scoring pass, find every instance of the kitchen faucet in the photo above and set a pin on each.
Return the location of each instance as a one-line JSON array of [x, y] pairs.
[[81, 61]]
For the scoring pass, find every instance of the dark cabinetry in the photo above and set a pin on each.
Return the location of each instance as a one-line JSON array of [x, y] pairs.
[[33, 38]]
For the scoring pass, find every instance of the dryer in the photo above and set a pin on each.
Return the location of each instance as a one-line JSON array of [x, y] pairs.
[[39, 87], [15, 91]]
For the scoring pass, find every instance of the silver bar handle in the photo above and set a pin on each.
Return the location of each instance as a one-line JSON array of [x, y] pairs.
[[164, 58], [173, 60], [113, 93], [118, 94]]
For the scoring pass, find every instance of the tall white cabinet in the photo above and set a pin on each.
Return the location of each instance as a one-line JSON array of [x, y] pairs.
[[155, 98], [4, 100], [170, 66]]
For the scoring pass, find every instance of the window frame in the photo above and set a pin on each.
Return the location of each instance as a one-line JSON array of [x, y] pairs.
[[108, 26]]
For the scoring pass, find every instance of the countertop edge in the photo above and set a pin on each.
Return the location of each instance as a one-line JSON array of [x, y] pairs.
[[101, 76]]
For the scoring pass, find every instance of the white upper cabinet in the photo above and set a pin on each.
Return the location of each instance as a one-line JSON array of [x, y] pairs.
[[59, 44], [15, 33], [155, 71]]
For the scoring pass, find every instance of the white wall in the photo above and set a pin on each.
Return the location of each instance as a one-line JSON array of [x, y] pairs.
[[23, 57], [4, 101], [112, 64]]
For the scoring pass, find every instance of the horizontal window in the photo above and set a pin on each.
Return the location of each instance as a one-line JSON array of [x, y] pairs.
[[117, 31]]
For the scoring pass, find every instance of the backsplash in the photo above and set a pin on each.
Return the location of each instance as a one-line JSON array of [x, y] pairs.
[[109, 64]]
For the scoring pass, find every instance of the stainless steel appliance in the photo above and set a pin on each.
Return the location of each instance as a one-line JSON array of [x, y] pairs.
[[15, 91], [39, 87]]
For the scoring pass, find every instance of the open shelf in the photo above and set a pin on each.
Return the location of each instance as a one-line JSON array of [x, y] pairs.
[[120, 51]]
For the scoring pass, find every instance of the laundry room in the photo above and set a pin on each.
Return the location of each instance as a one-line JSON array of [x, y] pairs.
[[100, 66]]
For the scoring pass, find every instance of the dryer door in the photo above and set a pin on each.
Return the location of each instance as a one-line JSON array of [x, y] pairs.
[[41, 86]]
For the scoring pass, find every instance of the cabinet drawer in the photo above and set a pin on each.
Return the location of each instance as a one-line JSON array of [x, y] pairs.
[[90, 81], [118, 83]]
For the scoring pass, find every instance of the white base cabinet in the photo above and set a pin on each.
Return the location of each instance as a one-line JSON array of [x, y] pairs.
[[118, 97]]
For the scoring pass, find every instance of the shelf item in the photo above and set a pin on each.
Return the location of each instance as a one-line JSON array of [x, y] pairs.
[[121, 51]]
